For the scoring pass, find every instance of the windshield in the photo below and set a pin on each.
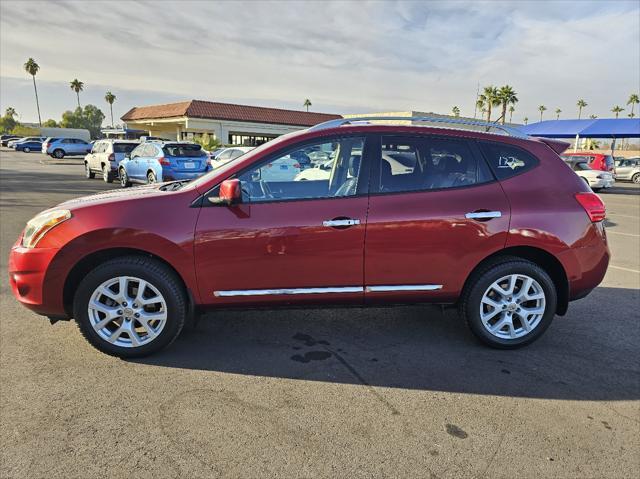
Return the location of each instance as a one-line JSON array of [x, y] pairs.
[[184, 150], [221, 170], [582, 166]]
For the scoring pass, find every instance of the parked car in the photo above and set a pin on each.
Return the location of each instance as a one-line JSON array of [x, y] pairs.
[[15, 142], [497, 225], [105, 158], [228, 154], [61, 147], [628, 169], [28, 146], [596, 161], [5, 139], [158, 161], [596, 179]]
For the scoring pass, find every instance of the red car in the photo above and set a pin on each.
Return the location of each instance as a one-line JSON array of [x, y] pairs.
[[597, 161], [495, 224]]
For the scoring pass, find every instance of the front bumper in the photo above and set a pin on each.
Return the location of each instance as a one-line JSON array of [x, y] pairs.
[[27, 275]]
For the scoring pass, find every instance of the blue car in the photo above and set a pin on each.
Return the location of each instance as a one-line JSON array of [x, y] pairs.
[[29, 146], [157, 161], [61, 147]]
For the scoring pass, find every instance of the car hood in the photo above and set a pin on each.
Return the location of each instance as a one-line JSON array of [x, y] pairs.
[[125, 194]]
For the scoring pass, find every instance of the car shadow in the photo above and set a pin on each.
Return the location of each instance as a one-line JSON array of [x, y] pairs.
[[629, 189], [590, 354]]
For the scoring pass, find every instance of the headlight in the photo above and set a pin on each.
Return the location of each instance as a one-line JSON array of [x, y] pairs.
[[41, 224]]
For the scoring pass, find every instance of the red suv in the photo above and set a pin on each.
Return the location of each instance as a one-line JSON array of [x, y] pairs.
[[597, 161], [498, 225]]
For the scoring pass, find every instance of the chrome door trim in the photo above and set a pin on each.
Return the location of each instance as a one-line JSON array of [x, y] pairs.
[[403, 287], [286, 291], [483, 215], [347, 222]]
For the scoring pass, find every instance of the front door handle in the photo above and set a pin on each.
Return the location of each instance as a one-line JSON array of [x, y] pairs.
[[340, 222], [483, 215]]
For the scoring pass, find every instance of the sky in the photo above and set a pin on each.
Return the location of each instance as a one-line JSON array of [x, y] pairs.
[[346, 57]]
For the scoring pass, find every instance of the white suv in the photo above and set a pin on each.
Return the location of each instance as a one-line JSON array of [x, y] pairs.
[[105, 157]]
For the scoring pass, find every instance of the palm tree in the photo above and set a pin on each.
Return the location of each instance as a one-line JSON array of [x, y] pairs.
[[32, 68], [479, 107], [558, 111], [307, 103], [526, 120], [631, 115], [10, 112], [633, 101], [617, 109], [593, 117], [77, 86], [507, 96], [456, 111], [489, 98], [110, 98], [511, 110], [542, 109], [581, 104]]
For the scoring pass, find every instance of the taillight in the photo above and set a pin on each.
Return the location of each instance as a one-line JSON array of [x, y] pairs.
[[163, 161], [112, 157], [593, 206]]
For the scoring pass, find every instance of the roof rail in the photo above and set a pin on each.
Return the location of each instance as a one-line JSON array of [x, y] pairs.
[[433, 119]]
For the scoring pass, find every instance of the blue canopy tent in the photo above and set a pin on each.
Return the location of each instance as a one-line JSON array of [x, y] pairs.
[[599, 128]]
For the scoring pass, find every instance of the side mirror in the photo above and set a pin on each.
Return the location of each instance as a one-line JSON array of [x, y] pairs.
[[230, 193], [127, 156]]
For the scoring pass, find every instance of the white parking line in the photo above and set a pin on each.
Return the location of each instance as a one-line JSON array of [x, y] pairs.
[[624, 269], [609, 232]]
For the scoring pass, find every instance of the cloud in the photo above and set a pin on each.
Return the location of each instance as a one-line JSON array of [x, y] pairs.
[[345, 56]]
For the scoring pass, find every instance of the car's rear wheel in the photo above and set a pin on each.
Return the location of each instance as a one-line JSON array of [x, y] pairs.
[[59, 154], [509, 304], [106, 174], [636, 178], [88, 174], [124, 179], [130, 307], [151, 178]]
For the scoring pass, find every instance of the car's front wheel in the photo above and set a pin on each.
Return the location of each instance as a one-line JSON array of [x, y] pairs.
[[124, 179], [130, 307], [88, 174], [510, 303], [26, 149], [59, 154]]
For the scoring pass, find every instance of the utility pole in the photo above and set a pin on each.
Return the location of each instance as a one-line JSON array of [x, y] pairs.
[[475, 104]]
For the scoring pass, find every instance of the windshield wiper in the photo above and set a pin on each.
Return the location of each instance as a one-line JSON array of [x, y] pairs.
[[174, 185]]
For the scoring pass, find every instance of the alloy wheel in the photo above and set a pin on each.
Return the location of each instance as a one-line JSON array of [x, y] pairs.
[[127, 311], [512, 306], [151, 178]]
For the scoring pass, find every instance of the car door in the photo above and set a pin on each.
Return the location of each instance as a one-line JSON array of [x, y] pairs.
[[623, 170], [287, 241], [435, 212], [134, 161]]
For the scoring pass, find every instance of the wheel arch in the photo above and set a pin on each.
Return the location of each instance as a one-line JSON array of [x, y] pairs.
[[540, 257], [90, 261]]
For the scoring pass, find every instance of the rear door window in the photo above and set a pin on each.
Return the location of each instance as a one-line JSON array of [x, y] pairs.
[[507, 160]]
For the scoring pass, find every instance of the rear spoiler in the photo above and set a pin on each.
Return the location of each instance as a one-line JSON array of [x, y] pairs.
[[556, 145]]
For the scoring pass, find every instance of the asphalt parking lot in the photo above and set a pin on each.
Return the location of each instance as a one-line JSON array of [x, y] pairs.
[[396, 392]]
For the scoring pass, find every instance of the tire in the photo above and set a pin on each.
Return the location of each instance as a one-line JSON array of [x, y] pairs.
[[636, 178], [26, 149], [151, 178], [124, 179], [107, 177], [88, 174], [167, 297], [59, 154], [480, 287], [596, 190]]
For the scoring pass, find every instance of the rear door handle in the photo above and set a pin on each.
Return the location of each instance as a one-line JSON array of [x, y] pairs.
[[483, 215], [340, 223]]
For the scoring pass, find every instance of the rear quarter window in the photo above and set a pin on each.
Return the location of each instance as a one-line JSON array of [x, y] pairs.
[[124, 147], [507, 160]]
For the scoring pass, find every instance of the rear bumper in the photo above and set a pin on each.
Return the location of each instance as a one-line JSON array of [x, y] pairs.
[[27, 277], [597, 183], [170, 175]]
